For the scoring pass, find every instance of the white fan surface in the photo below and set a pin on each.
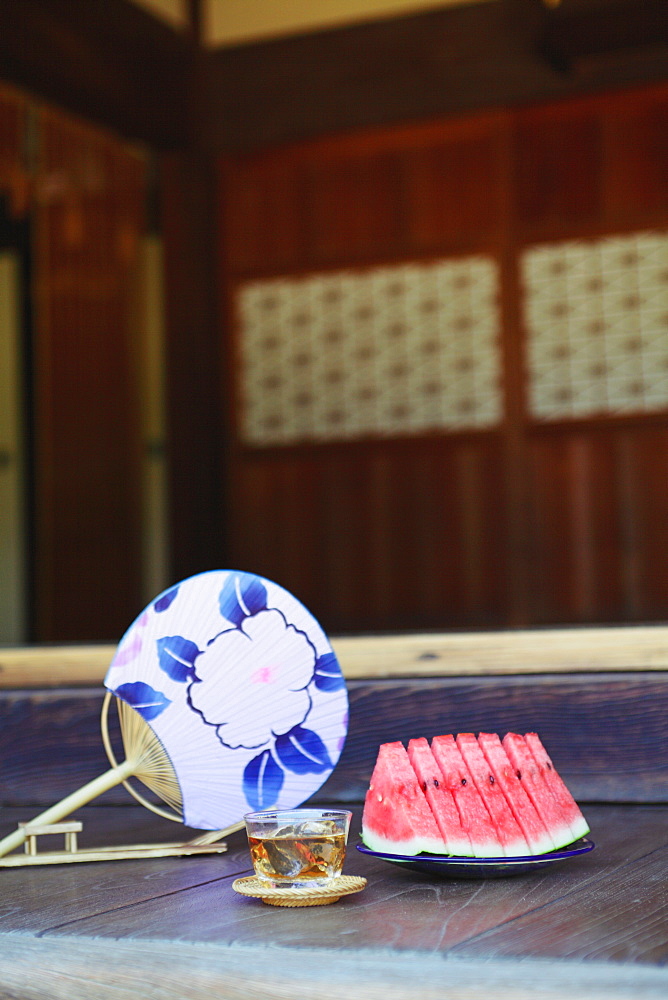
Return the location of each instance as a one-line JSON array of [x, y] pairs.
[[241, 686]]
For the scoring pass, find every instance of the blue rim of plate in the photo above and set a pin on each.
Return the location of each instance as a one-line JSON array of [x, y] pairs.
[[457, 867]]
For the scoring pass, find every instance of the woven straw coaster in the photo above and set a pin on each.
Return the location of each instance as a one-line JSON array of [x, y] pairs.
[[344, 885]]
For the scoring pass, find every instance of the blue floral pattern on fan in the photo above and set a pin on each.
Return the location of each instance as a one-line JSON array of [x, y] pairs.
[[267, 685]]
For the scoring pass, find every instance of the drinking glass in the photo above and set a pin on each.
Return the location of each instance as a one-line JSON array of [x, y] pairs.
[[298, 848]]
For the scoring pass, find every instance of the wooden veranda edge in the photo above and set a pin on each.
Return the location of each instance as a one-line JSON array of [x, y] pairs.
[[533, 651]]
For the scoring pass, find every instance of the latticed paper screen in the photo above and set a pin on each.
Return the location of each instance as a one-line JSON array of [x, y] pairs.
[[414, 348], [393, 350], [596, 314]]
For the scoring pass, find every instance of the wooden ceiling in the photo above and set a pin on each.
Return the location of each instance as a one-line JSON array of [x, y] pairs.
[[115, 63]]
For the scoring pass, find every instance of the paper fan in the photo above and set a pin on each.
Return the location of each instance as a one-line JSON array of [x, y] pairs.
[[230, 699]]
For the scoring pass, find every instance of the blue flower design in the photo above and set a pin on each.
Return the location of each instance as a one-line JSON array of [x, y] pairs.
[[166, 600], [143, 698], [262, 781], [177, 656], [328, 676], [302, 751], [241, 596]]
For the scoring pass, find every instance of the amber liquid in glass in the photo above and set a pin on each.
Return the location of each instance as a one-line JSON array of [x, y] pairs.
[[289, 859]]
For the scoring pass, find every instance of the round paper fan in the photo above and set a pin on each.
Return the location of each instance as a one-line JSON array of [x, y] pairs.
[[230, 699], [240, 686]]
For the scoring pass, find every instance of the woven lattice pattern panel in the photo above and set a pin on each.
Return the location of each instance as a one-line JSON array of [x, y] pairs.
[[596, 315], [394, 350]]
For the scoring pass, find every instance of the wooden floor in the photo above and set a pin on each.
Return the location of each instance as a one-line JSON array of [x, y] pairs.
[[592, 927]]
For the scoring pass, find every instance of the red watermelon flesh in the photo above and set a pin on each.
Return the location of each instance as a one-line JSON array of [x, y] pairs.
[[523, 809], [397, 817], [529, 774], [555, 783], [440, 798], [510, 834], [473, 812]]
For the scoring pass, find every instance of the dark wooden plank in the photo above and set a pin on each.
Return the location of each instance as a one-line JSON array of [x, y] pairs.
[[405, 911], [636, 138], [597, 519], [621, 919], [608, 736], [121, 929], [35, 900], [607, 733]]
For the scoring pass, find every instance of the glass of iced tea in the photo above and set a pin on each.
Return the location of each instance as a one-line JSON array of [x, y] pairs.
[[298, 848]]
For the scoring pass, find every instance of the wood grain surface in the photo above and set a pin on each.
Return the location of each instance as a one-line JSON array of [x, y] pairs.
[[592, 927], [433, 654], [607, 733]]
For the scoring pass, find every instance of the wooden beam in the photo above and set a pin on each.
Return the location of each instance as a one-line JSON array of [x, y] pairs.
[[622, 29], [522, 652], [107, 60], [440, 62]]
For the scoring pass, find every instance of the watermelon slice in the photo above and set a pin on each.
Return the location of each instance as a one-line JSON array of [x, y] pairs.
[[555, 783], [466, 797], [523, 809], [547, 807], [473, 812], [440, 798], [510, 834], [396, 817]]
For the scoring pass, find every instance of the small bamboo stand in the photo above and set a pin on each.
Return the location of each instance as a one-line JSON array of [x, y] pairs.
[[207, 843]]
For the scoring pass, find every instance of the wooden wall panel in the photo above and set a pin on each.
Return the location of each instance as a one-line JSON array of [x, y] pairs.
[[598, 524], [538, 522], [13, 178], [89, 218], [636, 135], [397, 535], [354, 208], [558, 171], [262, 222], [456, 190]]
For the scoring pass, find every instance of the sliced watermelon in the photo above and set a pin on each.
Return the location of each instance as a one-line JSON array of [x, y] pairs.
[[528, 772], [510, 834], [523, 809], [397, 818], [569, 807], [473, 812], [439, 797]]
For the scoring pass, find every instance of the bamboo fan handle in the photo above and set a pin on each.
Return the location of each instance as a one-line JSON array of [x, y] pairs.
[[114, 776]]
